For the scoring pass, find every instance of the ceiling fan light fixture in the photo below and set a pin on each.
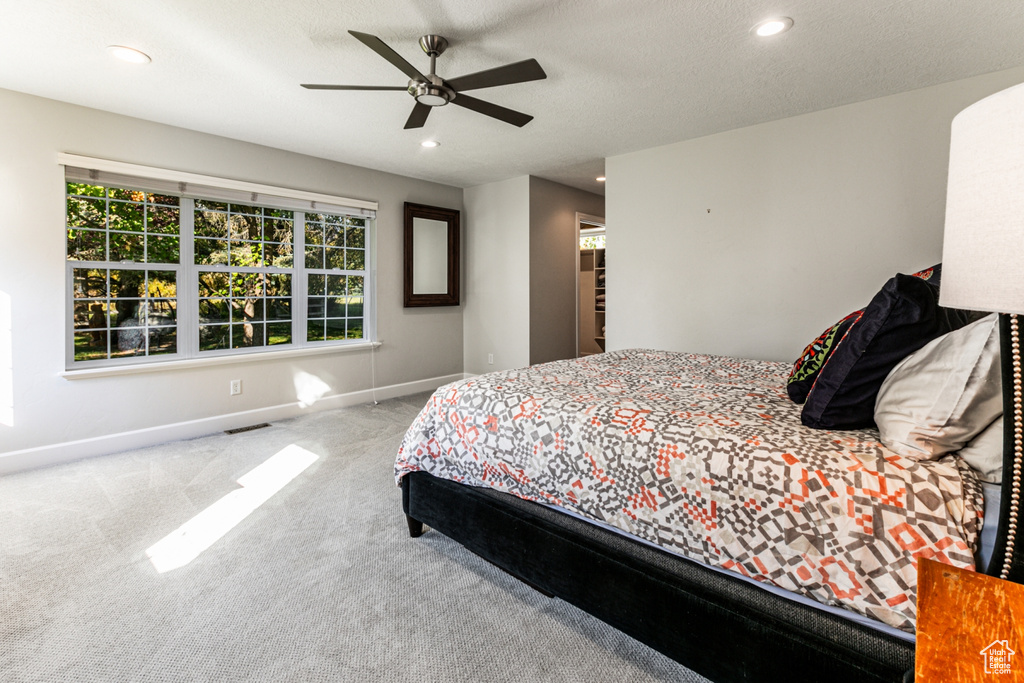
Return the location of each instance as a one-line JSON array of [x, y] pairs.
[[430, 94], [129, 54], [432, 100], [773, 27], [430, 144]]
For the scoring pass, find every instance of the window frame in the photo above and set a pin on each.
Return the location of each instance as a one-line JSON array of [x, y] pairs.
[[187, 271], [193, 283], [326, 272]]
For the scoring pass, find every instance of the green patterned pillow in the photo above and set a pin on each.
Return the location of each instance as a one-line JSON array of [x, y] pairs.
[[808, 365]]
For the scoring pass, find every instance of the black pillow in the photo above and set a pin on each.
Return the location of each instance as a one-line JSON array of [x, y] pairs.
[[904, 316], [812, 360]]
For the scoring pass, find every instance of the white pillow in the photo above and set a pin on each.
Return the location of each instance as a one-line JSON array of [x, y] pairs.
[[942, 396], [985, 453]]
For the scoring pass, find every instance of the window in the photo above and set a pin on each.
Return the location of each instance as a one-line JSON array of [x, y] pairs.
[[156, 275], [124, 249], [592, 239], [335, 302], [249, 302]]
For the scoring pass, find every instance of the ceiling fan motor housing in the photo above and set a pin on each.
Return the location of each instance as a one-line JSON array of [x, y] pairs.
[[435, 93], [433, 45]]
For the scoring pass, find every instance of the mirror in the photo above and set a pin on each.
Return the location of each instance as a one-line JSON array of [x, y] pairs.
[[431, 256]]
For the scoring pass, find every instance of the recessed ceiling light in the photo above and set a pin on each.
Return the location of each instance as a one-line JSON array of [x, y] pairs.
[[773, 27], [129, 54], [430, 143], [600, 178]]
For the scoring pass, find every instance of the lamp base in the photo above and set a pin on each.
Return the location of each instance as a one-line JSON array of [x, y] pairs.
[[1008, 556]]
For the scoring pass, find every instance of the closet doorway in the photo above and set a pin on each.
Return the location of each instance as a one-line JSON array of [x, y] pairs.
[[590, 285]]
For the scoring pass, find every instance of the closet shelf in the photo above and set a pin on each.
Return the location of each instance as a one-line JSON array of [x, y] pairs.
[[592, 305]]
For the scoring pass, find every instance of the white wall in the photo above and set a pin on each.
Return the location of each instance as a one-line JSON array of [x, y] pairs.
[[751, 242], [554, 248], [497, 275], [418, 345]]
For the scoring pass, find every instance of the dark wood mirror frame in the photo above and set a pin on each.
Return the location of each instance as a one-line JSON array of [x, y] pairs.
[[451, 218]]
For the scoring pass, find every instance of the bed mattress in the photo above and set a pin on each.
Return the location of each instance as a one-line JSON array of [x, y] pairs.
[[705, 456]]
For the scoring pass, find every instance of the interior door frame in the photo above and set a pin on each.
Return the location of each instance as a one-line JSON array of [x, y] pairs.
[[596, 221]]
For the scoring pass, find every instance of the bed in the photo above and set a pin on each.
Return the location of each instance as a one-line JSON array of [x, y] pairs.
[[678, 498]]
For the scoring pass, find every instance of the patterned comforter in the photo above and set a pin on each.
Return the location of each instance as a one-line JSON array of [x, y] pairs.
[[706, 457]]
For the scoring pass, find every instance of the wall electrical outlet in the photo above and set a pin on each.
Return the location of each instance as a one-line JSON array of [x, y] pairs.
[[490, 359], [236, 387]]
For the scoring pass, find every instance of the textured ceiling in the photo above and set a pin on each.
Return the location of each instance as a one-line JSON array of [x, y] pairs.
[[622, 76]]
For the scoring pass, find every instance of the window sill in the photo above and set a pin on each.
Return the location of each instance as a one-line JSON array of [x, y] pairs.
[[175, 365]]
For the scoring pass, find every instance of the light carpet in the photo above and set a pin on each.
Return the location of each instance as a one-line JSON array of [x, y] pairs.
[[319, 583]]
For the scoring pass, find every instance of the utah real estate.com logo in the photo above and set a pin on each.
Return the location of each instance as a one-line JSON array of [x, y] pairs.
[[997, 657]]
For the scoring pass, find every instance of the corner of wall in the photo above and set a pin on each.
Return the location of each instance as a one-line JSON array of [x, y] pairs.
[[554, 266], [496, 313]]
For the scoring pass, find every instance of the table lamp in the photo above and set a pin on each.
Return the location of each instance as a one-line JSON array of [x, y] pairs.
[[983, 268]]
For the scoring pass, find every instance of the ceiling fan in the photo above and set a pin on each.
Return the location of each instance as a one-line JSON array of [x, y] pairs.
[[433, 91]]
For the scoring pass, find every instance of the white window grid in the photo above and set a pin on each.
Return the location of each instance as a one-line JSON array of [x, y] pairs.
[[336, 295], [187, 288]]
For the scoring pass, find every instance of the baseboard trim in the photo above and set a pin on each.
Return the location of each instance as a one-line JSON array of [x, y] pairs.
[[55, 454]]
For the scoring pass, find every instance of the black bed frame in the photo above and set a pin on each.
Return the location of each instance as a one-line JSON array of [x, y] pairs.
[[721, 627]]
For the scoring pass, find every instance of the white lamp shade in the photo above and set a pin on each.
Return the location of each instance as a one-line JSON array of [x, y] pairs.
[[983, 247]]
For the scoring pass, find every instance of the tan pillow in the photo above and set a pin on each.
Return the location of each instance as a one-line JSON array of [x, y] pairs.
[[985, 453], [941, 397]]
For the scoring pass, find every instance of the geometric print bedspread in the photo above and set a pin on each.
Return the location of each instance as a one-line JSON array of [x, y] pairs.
[[706, 457]]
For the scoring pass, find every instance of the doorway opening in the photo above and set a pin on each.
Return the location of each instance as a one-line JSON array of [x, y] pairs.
[[590, 285]]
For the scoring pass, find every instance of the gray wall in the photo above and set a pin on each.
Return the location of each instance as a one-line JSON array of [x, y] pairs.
[[48, 409], [553, 253], [497, 282], [751, 242]]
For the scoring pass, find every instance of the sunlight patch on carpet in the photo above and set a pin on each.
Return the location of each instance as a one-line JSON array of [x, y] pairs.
[[185, 543]]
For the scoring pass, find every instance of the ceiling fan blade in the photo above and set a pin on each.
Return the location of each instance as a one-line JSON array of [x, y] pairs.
[[520, 72], [381, 48], [493, 110], [318, 86], [418, 116]]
